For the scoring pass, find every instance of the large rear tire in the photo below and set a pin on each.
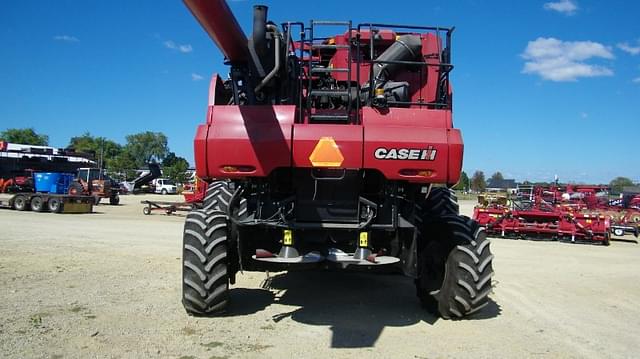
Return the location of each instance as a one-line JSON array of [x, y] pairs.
[[441, 201], [455, 267], [205, 277], [76, 189], [219, 194], [114, 200]]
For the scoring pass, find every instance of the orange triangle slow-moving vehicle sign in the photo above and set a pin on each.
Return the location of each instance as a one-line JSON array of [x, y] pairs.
[[326, 154]]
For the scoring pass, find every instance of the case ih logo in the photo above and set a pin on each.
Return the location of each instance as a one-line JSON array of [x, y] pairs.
[[427, 154]]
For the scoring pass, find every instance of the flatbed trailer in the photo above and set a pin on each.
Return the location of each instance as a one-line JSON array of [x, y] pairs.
[[42, 202], [166, 207]]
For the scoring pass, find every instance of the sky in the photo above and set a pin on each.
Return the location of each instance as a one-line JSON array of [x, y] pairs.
[[540, 87]]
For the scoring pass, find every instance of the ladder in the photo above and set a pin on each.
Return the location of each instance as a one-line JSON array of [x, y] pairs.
[[326, 115]]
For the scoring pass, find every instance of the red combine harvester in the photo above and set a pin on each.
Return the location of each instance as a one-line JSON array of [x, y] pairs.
[[555, 213], [322, 150]]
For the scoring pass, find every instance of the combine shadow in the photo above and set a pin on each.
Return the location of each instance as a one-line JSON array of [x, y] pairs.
[[244, 301], [356, 306]]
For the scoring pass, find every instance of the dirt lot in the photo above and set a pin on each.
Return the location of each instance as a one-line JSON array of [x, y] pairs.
[[108, 285]]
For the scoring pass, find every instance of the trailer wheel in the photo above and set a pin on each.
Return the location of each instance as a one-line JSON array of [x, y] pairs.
[[54, 205], [20, 203], [618, 232], [205, 277], [218, 196], [455, 268], [146, 211], [114, 200], [37, 204]]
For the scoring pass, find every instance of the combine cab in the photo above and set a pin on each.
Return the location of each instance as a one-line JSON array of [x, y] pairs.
[[331, 145]]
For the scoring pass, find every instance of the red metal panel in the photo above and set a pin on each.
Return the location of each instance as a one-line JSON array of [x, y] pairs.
[[456, 152], [200, 150], [405, 131], [252, 137], [348, 139]]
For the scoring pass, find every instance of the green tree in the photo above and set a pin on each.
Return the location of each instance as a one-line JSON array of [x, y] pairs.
[[497, 176], [25, 136], [147, 146], [102, 148], [478, 183], [463, 183], [175, 167], [123, 166], [618, 183]]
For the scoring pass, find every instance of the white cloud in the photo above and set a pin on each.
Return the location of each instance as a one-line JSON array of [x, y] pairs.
[[196, 77], [66, 38], [567, 7], [185, 48], [636, 80], [584, 114], [624, 46], [558, 60]]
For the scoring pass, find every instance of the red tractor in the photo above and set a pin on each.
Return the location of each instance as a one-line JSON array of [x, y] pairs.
[[327, 150]]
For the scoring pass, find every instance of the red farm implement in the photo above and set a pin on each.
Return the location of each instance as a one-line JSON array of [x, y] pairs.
[[577, 213], [331, 145], [553, 223]]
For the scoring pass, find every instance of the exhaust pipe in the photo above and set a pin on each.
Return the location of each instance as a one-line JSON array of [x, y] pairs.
[[259, 29]]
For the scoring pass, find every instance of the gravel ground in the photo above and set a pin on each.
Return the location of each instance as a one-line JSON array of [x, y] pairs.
[[107, 285]]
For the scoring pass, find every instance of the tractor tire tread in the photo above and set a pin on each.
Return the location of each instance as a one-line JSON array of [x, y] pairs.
[[205, 287], [466, 283]]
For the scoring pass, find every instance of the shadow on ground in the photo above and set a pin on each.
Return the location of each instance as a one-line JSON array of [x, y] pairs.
[[356, 306], [625, 240]]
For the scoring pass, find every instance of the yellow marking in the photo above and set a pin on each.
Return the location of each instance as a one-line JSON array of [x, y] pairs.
[[287, 238], [364, 239]]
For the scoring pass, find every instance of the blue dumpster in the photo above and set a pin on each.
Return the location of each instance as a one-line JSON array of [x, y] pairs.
[[52, 182]]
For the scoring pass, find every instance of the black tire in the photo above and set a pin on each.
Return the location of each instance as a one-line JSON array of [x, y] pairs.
[[37, 204], [20, 203], [76, 189], [218, 196], [146, 211], [164, 192], [114, 200], [618, 232], [54, 205], [455, 267], [205, 276], [607, 239], [441, 202]]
